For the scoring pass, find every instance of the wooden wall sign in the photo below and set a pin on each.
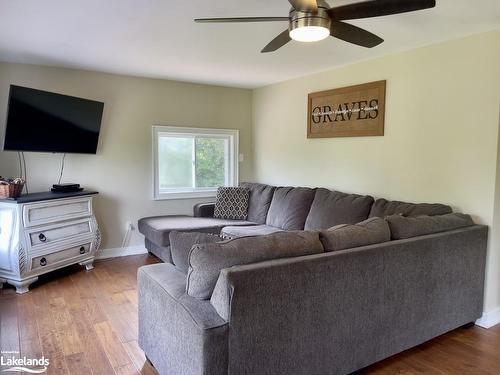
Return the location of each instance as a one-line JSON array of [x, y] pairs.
[[355, 111]]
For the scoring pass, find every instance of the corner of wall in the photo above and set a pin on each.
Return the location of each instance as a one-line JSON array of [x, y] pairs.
[[492, 294]]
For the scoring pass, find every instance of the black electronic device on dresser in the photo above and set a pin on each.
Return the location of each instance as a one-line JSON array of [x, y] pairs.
[[66, 188]]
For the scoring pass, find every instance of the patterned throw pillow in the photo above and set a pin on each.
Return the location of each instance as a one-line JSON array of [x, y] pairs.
[[232, 203]]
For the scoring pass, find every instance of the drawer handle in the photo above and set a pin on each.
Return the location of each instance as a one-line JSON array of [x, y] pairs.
[[82, 250], [42, 237], [43, 262]]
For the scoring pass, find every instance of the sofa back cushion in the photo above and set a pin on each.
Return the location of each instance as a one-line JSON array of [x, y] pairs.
[[289, 207], [181, 244], [346, 236], [260, 200], [331, 208], [406, 227], [207, 260], [383, 208]]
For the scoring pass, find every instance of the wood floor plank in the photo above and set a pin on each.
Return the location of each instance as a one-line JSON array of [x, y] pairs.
[[95, 354], [86, 323], [132, 296], [108, 283], [496, 329], [28, 329], [65, 327], [51, 346], [9, 330], [112, 345], [127, 370], [434, 362], [77, 364], [31, 348], [470, 357], [87, 287], [139, 359]]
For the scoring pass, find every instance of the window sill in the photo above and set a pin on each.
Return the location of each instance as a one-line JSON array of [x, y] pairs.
[[185, 195]]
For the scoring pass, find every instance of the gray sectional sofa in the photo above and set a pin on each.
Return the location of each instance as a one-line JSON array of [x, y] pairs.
[[323, 304], [273, 209]]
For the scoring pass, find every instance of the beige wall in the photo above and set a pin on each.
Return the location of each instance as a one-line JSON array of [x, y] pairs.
[[121, 170], [493, 276], [440, 142]]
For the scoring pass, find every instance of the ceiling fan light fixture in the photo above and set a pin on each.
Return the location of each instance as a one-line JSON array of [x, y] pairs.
[[309, 33], [314, 20]]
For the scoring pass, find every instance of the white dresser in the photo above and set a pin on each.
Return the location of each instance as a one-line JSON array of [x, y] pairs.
[[42, 232]]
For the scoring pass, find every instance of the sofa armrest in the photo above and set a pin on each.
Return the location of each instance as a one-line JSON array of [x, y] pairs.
[[178, 333], [341, 311], [204, 210], [221, 296]]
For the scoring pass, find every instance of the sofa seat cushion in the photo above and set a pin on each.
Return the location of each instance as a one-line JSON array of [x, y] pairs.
[[157, 229], [182, 242], [346, 236], [406, 227], [173, 282], [383, 208], [260, 200], [289, 207], [255, 230], [331, 208], [207, 260]]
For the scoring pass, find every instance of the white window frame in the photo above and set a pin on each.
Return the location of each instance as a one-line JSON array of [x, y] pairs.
[[232, 163]]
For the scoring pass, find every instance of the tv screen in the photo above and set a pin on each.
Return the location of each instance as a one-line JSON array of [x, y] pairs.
[[42, 121]]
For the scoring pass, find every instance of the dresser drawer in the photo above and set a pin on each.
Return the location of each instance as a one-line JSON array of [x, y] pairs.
[[56, 210], [41, 237], [59, 258]]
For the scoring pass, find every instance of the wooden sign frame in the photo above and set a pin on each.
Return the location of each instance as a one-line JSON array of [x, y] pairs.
[[354, 111]]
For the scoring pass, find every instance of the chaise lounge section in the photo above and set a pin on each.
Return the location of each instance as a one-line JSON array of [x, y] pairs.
[[157, 229]]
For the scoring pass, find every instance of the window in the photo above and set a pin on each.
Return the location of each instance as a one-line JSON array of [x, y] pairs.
[[192, 163]]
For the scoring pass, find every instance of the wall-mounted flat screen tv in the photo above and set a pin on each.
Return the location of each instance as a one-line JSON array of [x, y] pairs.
[[41, 121]]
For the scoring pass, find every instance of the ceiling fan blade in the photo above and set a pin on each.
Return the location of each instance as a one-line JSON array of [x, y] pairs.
[[376, 8], [277, 42], [241, 19], [305, 5], [353, 34]]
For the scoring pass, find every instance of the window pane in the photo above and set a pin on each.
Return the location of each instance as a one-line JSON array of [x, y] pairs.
[[210, 162], [175, 162]]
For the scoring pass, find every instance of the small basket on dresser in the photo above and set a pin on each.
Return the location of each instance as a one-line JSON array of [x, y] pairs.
[[11, 188]]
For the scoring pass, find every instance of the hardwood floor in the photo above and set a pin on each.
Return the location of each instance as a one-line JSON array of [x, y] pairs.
[[86, 323]]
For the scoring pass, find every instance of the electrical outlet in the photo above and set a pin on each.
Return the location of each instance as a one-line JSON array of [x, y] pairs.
[[241, 158]]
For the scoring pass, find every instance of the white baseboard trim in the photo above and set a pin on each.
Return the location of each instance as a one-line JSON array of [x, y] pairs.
[[489, 319], [121, 252]]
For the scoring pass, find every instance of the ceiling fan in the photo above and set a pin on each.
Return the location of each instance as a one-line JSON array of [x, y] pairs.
[[314, 20]]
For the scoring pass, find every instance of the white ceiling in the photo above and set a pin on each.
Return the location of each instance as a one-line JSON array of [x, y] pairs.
[[158, 38]]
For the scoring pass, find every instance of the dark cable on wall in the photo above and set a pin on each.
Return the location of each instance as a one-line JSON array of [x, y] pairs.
[[25, 173], [62, 168], [20, 165]]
